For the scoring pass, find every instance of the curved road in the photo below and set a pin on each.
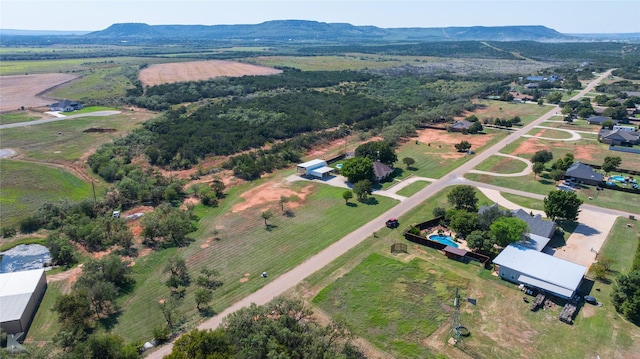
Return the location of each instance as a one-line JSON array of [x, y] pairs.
[[47, 120], [293, 277]]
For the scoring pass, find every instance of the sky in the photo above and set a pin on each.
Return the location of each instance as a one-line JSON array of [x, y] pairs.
[[565, 16]]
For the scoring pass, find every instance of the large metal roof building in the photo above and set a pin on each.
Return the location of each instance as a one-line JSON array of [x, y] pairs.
[[20, 295]]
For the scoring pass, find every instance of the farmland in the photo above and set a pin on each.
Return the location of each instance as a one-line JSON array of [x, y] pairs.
[[199, 70]]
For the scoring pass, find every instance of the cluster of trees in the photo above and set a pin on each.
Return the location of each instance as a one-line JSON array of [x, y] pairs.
[[283, 328], [485, 230], [558, 168], [91, 302], [626, 291], [582, 109], [167, 226], [515, 120], [377, 151]]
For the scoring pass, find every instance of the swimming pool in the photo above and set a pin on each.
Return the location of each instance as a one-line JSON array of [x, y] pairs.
[[448, 240], [617, 178]]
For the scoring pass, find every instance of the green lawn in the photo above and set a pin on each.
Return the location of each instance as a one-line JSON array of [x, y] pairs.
[[578, 125], [16, 117], [26, 186], [99, 84], [506, 111], [525, 202], [413, 188], [240, 247], [499, 164], [393, 304], [544, 132], [90, 109]]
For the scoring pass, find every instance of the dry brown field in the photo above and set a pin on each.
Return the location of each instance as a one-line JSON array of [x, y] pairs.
[[199, 70], [24, 90]]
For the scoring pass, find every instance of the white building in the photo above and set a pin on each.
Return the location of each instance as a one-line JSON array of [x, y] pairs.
[[20, 295], [526, 265], [316, 168]]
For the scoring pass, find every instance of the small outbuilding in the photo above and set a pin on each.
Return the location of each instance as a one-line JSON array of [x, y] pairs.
[[20, 296], [315, 168]]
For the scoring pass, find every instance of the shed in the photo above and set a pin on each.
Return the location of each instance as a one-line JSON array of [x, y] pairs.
[[316, 168], [522, 265], [20, 295], [454, 253]]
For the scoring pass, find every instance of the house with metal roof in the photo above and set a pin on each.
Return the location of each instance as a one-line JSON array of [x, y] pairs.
[[523, 265], [461, 126], [381, 171], [20, 295], [599, 120], [620, 136], [537, 225], [65, 106]]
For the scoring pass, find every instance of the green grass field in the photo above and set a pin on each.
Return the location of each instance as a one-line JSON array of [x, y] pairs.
[[413, 188], [16, 117], [73, 65], [90, 109], [65, 140], [506, 111], [525, 202], [26, 186], [543, 132], [579, 125], [102, 83], [393, 304]]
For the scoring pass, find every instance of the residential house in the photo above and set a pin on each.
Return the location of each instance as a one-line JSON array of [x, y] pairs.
[[619, 137], [461, 126], [583, 173], [65, 106], [381, 171], [598, 120]]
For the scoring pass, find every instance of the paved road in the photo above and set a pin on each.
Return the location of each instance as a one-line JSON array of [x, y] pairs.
[[47, 120], [293, 277]]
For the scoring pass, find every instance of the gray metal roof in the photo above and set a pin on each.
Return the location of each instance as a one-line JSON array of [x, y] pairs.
[[542, 267], [581, 171], [16, 289]]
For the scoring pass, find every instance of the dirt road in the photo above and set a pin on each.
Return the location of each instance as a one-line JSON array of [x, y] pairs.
[[290, 279]]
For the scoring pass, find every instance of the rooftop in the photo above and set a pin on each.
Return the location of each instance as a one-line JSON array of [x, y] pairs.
[[15, 291]]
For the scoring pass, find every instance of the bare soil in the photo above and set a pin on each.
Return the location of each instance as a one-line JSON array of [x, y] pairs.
[[26, 90], [270, 193], [199, 70]]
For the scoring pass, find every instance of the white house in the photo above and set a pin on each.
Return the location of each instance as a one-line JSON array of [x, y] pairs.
[[316, 168]]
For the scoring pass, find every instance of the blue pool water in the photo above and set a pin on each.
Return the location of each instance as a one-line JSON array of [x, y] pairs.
[[339, 166], [448, 240], [617, 178]]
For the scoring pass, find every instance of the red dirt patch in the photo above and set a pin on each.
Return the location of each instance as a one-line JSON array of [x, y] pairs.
[[270, 192], [529, 146], [200, 70], [438, 137]]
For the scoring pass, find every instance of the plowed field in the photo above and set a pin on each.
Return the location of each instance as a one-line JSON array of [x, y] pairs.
[[199, 70], [23, 90]]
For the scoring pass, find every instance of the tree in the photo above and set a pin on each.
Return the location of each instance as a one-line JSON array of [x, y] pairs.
[[611, 163], [554, 97], [563, 205], [377, 151], [207, 279], [490, 215], [203, 296], [439, 212], [283, 200], [408, 161], [463, 197], [169, 309], [608, 124], [62, 252], [557, 174], [478, 240], [109, 346], [178, 273], [362, 189], [538, 168], [542, 156], [266, 215], [507, 230], [567, 111], [218, 187], [463, 146], [476, 127], [563, 163], [201, 344], [357, 169], [167, 226], [347, 195], [74, 311], [618, 113], [516, 120], [462, 222], [626, 296]]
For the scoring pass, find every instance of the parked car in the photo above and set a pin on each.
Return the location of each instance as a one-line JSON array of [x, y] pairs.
[[392, 223]]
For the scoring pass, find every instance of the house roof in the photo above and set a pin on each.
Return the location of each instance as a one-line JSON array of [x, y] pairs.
[[621, 135], [464, 124], [16, 289], [534, 242], [64, 103], [581, 171], [537, 225], [558, 275], [381, 170], [456, 251], [600, 119]]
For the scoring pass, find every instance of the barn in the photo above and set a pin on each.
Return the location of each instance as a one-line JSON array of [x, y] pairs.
[[524, 265], [315, 168], [20, 295]]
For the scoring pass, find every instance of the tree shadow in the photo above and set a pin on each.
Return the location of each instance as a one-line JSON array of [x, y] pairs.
[[351, 204], [412, 168], [288, 213], [207, 312], [269, 227], [110, 321], [371, 201]]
